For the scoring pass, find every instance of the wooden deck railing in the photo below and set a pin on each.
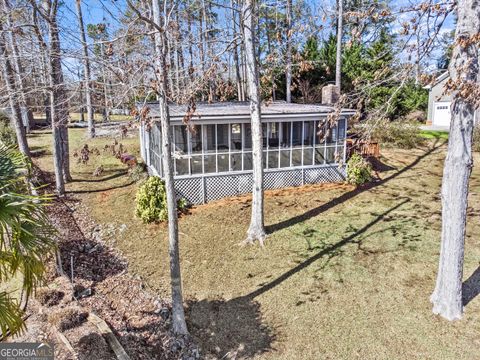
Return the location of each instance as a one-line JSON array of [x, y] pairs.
[[364, 148]]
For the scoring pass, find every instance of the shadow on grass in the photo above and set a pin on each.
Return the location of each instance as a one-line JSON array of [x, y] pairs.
[[101, 190], [234, 328], [111, 177], [471, 287], [347, 196], [229, 329]]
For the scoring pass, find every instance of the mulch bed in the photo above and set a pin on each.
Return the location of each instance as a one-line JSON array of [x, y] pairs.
[[102, 285]]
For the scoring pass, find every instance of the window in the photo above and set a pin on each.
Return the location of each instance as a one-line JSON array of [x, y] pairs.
[[180, 139], [273, 135], [286, 130], [341, 129], [209, 138], [236, 137], [297, 133], [222, 137], [308, 133], [196, 136], [247, 138]]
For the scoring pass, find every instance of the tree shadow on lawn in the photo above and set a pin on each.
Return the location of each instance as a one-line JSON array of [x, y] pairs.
[[229, 329], [233, 328], [116, 174], [91, 191], [348, 195], [471, 287]]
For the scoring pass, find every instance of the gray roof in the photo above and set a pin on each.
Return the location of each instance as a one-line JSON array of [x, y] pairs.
[[242, 109]]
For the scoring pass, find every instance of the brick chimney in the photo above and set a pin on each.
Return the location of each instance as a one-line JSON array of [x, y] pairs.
[[330, 94]]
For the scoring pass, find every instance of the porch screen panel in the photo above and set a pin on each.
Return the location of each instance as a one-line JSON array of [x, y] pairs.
[[210, 148], [319, 142], [223, 147], [285, 144], [297, 130], [308, 134], [196, 149], [273, 131], [180, 146], [247, 147]]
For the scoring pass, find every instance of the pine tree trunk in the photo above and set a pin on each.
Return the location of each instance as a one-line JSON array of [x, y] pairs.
[[58, 110], [179, 324], [338, 66], [288, 75], [256, 231], [86, 73], [447, 296], [9, 78], [22, 86], [236, 60]]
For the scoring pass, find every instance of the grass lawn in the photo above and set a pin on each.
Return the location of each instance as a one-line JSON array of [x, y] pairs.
[[434, 134], [345, 273]]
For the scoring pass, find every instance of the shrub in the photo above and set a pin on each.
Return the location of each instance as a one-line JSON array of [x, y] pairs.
[[151, 201], [359, 171], [400, 133], [476, 138], [7, 133], [138, 172]]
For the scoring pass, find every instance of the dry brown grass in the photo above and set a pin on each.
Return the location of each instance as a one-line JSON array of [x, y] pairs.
[[345, 273], [67, 318], [49, 297]]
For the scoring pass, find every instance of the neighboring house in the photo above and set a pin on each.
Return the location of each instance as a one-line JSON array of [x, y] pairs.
[[215, 159], [438, 102]]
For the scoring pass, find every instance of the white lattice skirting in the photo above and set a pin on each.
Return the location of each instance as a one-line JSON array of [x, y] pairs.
[[202, 189]]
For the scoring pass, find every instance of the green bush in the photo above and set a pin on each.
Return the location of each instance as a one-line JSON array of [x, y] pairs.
[[400, 133], [7, 133], [151, 200], [359, 171]]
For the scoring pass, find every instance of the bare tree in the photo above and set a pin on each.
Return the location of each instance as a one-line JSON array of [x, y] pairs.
[[179, 324], [338, 66], [288, 75], [48, 10], [447, 296], [256, 231], [17, 65], [9, 78], [86, 71]]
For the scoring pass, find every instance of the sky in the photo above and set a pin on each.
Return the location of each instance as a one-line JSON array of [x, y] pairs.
[[109, 11]]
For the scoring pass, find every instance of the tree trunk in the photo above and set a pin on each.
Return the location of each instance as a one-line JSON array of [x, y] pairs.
[[288, 75], [106, 111], [338, 66], [236, 60], [86, 73], [256, 231], [179, 324], [447, 296], [191, 71], [58, 110], [9, 79], [22, 86]]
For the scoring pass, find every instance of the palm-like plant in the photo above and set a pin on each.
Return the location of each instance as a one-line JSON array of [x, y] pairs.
[[26, 236]]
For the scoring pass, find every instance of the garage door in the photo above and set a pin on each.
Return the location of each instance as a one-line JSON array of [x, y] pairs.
[[441, 114]]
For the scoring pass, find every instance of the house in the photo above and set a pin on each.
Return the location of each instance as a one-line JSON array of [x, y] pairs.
[[438, 102], [215, 159]]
